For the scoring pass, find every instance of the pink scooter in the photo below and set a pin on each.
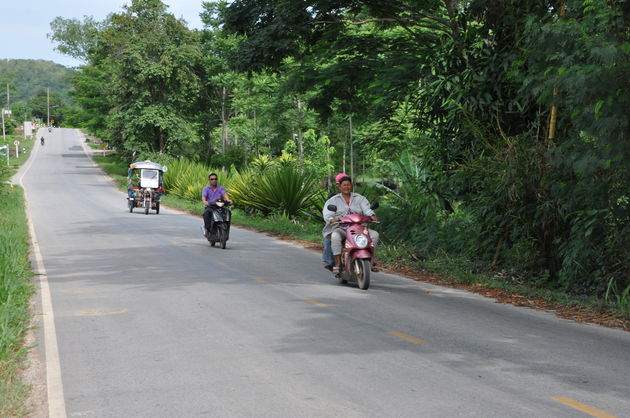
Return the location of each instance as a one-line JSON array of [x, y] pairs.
[[358, 249]]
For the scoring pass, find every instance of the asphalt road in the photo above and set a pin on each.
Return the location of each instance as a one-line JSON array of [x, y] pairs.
[[149, 321]]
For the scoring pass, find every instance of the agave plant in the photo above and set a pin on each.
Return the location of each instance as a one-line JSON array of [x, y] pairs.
[[283, 189], [261, 163], [187, 179]]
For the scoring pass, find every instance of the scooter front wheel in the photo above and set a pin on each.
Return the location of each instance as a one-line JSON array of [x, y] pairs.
[[361, 271], [222, 235]]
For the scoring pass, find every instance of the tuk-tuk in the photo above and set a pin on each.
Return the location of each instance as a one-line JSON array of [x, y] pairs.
[[144, 186]]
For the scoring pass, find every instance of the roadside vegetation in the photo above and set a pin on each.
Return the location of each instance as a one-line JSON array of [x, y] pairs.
[[16, 288]]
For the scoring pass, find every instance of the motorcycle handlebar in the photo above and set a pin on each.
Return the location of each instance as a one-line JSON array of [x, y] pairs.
[[214, 203]]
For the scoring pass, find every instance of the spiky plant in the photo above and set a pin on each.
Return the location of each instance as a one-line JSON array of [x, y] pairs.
[[283, 189]]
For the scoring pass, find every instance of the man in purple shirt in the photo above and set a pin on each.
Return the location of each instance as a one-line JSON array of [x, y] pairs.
[[209, 194]]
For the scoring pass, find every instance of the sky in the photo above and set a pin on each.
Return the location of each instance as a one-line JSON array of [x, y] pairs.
[[25, 23]]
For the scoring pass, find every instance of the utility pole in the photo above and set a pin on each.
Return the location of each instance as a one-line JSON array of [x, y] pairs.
[[48, 106], [8, 97]]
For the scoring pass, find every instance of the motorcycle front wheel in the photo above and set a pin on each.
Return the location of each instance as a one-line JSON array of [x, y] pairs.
[[222, 235], [361, 271]]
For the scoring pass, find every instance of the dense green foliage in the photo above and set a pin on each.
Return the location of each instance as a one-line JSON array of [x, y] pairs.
[[502, 132]]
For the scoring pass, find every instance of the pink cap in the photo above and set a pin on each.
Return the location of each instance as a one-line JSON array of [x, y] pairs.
[[340, 176]]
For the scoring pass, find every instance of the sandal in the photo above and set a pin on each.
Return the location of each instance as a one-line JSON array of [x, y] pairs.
[[336, 270], [328, 267], [373, 268]]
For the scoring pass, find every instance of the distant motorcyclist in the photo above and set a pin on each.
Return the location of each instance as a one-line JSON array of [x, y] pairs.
[[347, 203], [327, 255], [209, 194], [41, 140]]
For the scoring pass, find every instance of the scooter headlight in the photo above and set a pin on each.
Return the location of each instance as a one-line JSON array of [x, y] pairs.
[[361, 241]]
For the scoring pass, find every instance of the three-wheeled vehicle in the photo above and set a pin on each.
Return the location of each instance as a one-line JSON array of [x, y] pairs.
[[144, 186]]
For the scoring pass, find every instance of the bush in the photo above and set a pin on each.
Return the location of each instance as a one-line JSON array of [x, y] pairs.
[[281, 190]]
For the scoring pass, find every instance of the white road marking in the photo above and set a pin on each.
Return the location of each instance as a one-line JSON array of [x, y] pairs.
[[56, 401]]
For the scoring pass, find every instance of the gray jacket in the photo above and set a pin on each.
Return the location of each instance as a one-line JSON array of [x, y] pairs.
[[358, 204]]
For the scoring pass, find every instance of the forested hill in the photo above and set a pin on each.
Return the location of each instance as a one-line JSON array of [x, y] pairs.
[[26, 77]]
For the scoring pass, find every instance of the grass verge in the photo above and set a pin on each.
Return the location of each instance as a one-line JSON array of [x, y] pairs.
[[16, 288], [439, 269]]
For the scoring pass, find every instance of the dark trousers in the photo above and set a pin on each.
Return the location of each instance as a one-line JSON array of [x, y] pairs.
[[207, 217]]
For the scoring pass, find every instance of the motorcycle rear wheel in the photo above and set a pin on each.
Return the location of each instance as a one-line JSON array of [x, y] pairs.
[[361, 271]]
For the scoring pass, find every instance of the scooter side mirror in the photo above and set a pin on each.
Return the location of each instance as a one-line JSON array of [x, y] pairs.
[[374, 205], [332, 208]]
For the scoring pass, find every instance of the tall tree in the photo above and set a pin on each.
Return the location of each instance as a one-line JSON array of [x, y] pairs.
[[152, 58]]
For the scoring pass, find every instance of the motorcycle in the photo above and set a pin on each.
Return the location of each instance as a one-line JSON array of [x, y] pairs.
[[220, 223], [41, 140], [358, 249]]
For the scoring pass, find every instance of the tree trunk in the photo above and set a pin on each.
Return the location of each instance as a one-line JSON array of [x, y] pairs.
[[343, 170], [351, 150], [224, 121], [300, 145]]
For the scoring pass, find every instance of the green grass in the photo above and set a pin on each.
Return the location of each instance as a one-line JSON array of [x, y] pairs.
[[15, 288], [280, 225], [26, 144], [114, 167]]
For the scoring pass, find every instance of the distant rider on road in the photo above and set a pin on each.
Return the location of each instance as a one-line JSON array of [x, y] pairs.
[[209, 194]]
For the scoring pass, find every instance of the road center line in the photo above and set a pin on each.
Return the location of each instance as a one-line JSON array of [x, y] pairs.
[[594, 412], [101, 313], [259, 280], [406, 337], [222, 264], [316, 302]]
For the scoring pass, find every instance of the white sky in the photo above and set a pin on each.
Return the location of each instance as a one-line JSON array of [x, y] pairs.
[[25, 23]]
